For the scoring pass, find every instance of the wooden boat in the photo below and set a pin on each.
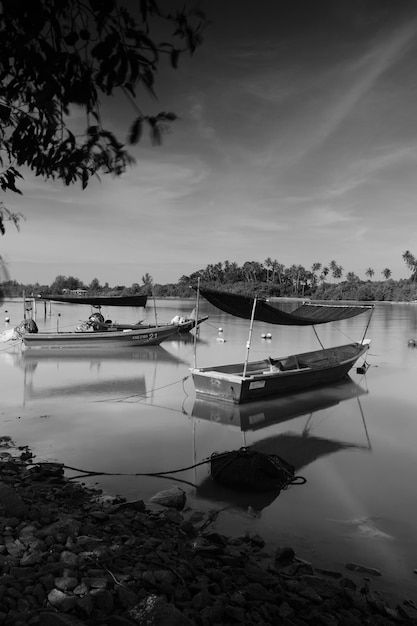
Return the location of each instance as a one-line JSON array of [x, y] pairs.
[[248, 381], [102, 340], [98, 301]]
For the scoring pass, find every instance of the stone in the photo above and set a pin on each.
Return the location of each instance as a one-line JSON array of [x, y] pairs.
[[174, 498], [363, 569], [155, 611], [66, 583], [11, 504], [61, 601]]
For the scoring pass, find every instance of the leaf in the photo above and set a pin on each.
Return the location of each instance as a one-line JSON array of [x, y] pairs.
[[136, 130]]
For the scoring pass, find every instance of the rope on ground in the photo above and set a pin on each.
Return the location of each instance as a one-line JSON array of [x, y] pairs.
[[95, 473]]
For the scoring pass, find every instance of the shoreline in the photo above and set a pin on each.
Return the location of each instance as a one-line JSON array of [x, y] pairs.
[[71, 557]]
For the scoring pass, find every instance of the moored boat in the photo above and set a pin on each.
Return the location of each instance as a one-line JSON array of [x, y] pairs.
[[248, 381], [101, 340]]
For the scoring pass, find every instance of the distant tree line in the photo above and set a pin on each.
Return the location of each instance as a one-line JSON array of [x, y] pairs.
[[267, 279]]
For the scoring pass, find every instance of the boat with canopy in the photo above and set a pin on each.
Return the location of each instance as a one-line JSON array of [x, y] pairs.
[[254, 380]]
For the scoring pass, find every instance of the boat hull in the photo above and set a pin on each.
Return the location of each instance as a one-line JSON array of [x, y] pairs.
[[98, 340], [290, 374]]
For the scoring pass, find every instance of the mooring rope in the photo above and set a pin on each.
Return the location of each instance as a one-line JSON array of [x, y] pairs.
[[143, 396], [291, 479]]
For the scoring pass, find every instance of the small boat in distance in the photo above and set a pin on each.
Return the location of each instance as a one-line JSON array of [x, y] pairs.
[[98, 301], [248, 381]]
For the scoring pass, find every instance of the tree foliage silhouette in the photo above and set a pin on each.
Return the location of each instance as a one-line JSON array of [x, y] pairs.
[[56, 55]]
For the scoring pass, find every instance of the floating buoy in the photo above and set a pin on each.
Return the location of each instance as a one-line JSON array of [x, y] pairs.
[[7, 320], [220, 330], [412, 343], [220, 340], [263, 335], [268, 336]]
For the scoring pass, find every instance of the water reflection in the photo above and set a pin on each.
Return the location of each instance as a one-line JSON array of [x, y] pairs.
[[97, 373], [257, 415], [298, 449]]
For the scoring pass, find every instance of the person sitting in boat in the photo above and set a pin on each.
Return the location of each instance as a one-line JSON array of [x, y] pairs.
[[96, 320], [28, 326]]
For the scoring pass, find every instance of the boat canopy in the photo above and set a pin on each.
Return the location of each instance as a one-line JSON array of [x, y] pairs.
[[96, 301], [306, 315]]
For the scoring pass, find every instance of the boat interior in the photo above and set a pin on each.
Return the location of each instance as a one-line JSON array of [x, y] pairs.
[[297, 362]]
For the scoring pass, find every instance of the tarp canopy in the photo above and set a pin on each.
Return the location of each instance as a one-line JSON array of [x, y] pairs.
[[305, 315]]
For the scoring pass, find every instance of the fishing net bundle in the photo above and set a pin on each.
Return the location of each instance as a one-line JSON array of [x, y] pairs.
[[250, 470]]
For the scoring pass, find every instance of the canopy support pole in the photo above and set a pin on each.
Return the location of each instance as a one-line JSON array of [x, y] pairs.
[[196, 318], [318, 338], [250, 337], [367, 325]]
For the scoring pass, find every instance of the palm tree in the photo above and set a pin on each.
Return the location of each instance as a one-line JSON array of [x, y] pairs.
[[386, 273], [369, 272], [410, 261], [316, 267], [269, 266], [324, 274], [337, 270]]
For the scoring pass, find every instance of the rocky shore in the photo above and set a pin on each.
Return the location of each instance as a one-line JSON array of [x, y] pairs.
[[69, 557]]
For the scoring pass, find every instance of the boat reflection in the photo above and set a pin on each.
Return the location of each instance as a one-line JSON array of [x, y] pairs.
[[97, 373], [257, 415], [298, 449], [140, 353]]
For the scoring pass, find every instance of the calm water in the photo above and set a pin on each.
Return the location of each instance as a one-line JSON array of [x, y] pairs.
[[135, 411]]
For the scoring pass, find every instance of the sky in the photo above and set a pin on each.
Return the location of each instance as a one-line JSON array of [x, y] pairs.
[[297, 140]]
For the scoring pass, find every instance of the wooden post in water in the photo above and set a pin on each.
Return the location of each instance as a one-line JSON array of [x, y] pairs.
[[24, 304], [250, 337], [34, 308]]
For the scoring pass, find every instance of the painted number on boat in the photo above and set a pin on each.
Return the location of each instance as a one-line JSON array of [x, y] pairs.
[[258, 384]]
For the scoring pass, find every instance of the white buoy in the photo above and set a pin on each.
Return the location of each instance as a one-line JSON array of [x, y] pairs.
[[220, 330], [268, 336], [7, 320], [263, 335]]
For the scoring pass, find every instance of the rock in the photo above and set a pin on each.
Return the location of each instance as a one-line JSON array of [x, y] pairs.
[[61, 601], [155, 611], [355, 567], [284, 556], [11, 504], [173, 498]]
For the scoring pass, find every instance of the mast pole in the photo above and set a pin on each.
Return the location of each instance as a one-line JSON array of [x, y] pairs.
[[154, 308], [196, 319], [250, 337]]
